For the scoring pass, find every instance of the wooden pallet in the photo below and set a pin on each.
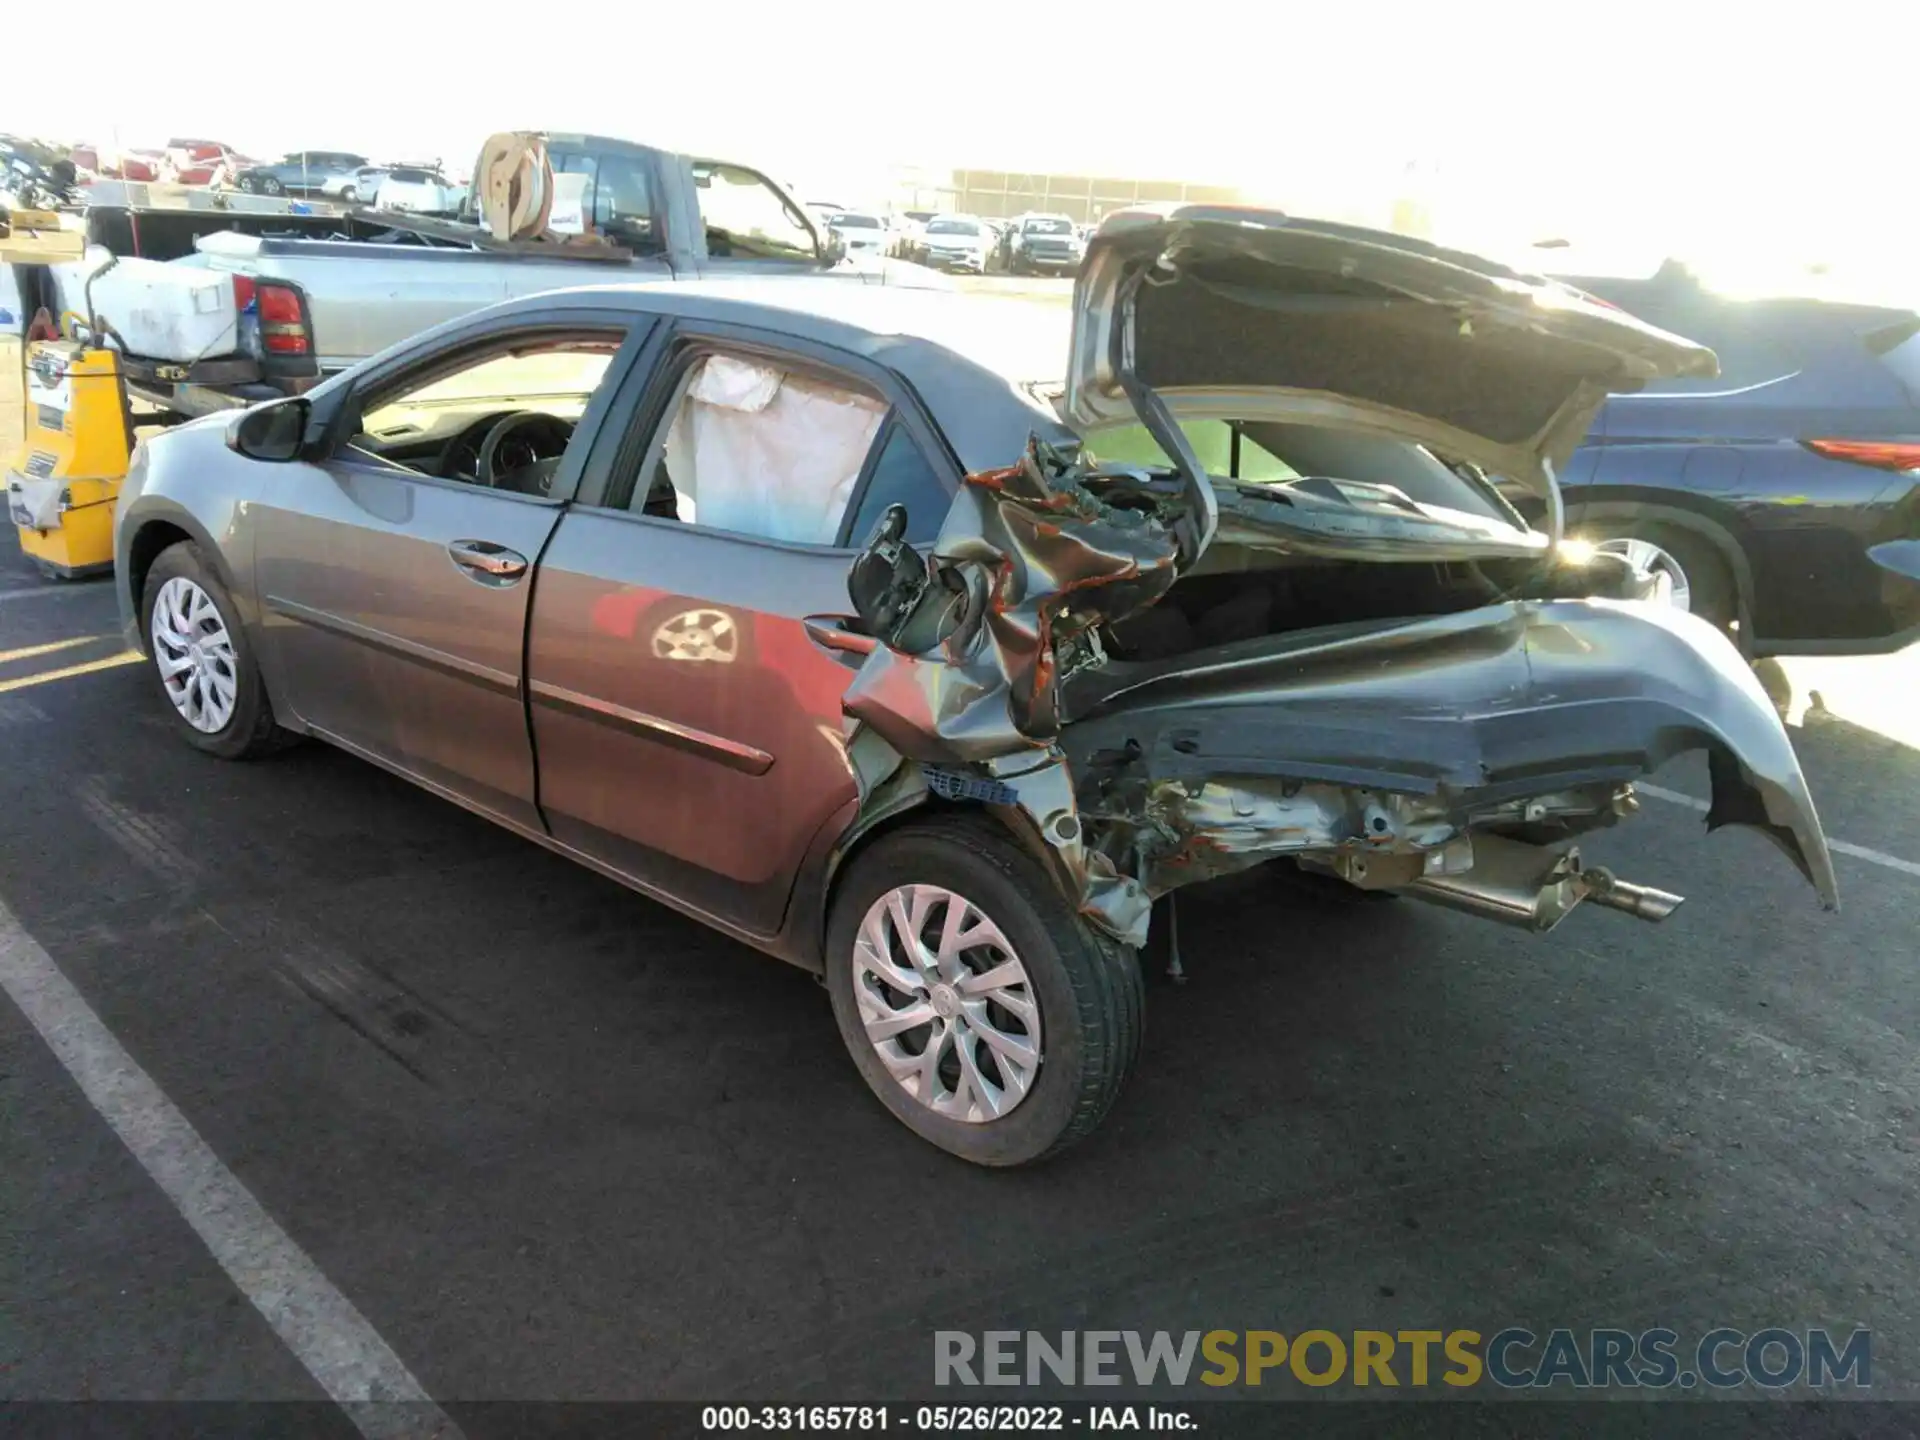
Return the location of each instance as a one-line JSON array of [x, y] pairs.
[[34, 237]]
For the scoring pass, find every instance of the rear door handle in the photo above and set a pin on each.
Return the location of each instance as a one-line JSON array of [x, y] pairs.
[[832, 632], [487, 560]]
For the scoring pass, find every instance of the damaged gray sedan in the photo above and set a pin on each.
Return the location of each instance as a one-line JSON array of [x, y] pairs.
[[795, 608]]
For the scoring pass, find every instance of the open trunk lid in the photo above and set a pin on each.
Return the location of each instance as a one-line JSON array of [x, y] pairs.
[[1222, 310]]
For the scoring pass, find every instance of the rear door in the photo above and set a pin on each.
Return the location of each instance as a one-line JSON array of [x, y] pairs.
[[394, 588], [691, 637]]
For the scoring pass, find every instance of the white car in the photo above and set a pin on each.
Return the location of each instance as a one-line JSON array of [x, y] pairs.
[[418, 191], [957, 242], [864, 235], [907, 233]]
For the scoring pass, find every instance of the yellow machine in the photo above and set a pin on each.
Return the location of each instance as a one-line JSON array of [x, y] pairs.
[[62, 484]]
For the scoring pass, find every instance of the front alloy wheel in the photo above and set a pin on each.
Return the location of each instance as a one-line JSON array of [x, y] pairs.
[[201, 659], [194, 654]]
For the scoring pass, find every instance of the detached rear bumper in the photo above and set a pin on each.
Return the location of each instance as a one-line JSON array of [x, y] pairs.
[[1496, 704]]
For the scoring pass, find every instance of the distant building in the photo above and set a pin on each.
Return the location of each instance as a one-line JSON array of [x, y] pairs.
[[1082, 198]]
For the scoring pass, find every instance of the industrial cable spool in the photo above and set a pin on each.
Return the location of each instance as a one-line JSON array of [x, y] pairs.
[[514, 181]]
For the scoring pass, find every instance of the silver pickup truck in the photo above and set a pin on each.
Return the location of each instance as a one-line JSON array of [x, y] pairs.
[[320, 303]]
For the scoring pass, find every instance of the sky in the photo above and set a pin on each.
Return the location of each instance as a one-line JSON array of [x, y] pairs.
[[1752, 131]]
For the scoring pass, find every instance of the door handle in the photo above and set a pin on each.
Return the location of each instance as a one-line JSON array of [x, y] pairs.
[[483, 557], [831, 632]]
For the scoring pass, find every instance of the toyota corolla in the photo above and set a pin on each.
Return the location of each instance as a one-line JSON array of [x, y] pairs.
[[801, 607]]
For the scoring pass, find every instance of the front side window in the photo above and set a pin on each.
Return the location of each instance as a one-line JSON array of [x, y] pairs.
[[502, 419], [761, 449], [747, 219]]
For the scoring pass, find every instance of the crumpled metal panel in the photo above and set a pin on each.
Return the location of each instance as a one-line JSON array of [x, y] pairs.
[[1396, 741], [1045, 561]]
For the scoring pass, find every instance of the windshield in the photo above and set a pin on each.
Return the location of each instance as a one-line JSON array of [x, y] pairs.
[[952, 227], [855, 222], [555, 382], [1049, 227]]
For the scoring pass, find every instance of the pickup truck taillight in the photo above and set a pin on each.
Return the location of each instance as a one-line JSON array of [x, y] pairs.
[[283, 321]]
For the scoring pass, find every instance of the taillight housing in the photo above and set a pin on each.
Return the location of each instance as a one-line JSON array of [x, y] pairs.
[[1880, 454], [242, 292], [283, 320]]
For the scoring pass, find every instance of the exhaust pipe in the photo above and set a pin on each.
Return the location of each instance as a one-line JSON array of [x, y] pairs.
[[1533, 888], [1641, 901]]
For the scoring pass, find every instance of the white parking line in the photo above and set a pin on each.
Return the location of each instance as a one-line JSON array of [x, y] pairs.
[[320, 1326], [41, 592], [1838, 847]]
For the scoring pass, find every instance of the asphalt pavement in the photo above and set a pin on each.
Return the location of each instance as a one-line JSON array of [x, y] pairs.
[[551, 1141]]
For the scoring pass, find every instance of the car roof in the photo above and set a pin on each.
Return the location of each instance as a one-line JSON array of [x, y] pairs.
[[969, 357]]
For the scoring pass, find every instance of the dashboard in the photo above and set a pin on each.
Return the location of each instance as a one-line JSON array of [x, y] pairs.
[[524, 458]]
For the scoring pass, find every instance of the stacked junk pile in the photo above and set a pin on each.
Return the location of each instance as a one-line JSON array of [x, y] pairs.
[[63, 479]]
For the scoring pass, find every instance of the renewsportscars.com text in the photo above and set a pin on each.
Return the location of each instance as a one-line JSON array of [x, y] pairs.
[[1513, 1358]]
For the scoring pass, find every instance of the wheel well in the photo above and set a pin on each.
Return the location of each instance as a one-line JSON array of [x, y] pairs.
[[1703, 527], [925, 806], [148, 542]]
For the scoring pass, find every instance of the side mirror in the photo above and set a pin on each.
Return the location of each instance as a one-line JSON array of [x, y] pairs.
[[901, 601], [888, 577], [275, 432]]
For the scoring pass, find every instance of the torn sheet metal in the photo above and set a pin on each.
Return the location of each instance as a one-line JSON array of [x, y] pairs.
[[1517, 701], [1029, 561], [1374, 752]]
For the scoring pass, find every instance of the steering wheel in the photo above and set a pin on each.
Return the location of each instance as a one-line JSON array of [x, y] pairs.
[[484, 470]]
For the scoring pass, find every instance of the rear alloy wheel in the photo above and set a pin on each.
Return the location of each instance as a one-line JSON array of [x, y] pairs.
[[979, 1008], [272, 186], [200, 659], [1698, 580]]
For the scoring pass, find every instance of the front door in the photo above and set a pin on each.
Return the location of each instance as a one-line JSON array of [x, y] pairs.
[[394, 573]]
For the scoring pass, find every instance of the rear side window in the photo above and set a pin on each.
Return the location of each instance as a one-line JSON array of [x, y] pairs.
[[1898, 347], [757, 448], [747, 219], [901, 475], [618, 200], [1748, 354]]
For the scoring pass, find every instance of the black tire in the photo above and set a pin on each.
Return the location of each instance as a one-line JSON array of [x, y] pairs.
[[350, 195], [245, 182], [272, 186], [250, 731], [1715, 597], [1088, 988]]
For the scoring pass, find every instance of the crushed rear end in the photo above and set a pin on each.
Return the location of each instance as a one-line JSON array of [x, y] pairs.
[[1162, 675]]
